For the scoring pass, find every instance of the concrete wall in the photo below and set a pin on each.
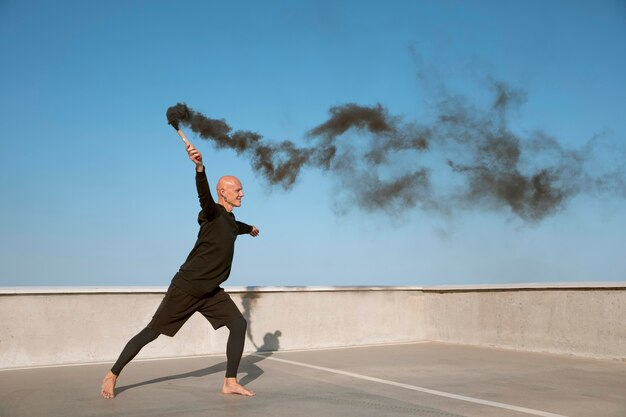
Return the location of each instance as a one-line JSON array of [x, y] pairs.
[[580, 321], [78, 325], [59, 326]]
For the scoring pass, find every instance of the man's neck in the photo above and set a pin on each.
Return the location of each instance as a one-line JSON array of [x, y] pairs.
[[227, 207]]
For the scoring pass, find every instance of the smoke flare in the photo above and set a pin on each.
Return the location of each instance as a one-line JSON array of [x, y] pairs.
[[388, 168]]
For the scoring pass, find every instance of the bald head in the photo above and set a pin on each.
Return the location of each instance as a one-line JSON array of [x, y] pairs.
[[229, 192]]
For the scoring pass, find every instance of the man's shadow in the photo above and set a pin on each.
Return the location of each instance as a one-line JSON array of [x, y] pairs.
[[268, 348], [248, 365]]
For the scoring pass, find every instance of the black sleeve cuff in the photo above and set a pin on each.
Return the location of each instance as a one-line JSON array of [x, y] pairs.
[[201, 174]]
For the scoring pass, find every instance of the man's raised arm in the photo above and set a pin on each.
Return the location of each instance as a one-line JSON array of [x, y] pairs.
[[207, 203]]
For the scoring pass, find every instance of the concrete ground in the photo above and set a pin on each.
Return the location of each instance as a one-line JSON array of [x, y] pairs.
[[421, 379]]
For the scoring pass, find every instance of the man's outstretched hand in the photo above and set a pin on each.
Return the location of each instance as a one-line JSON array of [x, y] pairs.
[[254, 232]]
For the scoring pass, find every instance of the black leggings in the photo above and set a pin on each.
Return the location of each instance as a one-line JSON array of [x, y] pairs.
[[133, 347], [234, 346]]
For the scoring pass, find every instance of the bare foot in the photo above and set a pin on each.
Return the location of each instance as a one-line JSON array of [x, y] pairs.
[[108, 385], [231, 386]]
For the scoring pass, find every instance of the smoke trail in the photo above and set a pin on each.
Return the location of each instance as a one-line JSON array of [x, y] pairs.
[[280, 163], [386, 164], [348, 116]]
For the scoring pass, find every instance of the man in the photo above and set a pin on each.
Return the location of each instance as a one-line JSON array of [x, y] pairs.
[[196, 286]]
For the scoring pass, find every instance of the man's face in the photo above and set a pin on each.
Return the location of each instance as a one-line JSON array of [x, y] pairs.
[[232, 192]]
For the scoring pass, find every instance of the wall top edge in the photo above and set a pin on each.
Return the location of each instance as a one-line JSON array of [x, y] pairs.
[[23, 290]]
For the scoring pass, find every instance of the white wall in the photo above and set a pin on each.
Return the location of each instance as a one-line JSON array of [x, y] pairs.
[[586, 322], [79, 325], [42, 327]]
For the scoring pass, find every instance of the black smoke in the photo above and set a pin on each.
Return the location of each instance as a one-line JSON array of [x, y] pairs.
[[387, 164]]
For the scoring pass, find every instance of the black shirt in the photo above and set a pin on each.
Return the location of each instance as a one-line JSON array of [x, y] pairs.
[[210, 260]]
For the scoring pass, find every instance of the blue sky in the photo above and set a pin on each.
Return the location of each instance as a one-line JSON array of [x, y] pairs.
[[96, 188]]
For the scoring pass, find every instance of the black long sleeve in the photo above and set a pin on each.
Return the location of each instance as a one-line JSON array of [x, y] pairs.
[[243, 228], [210, 261], [208, 205]]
